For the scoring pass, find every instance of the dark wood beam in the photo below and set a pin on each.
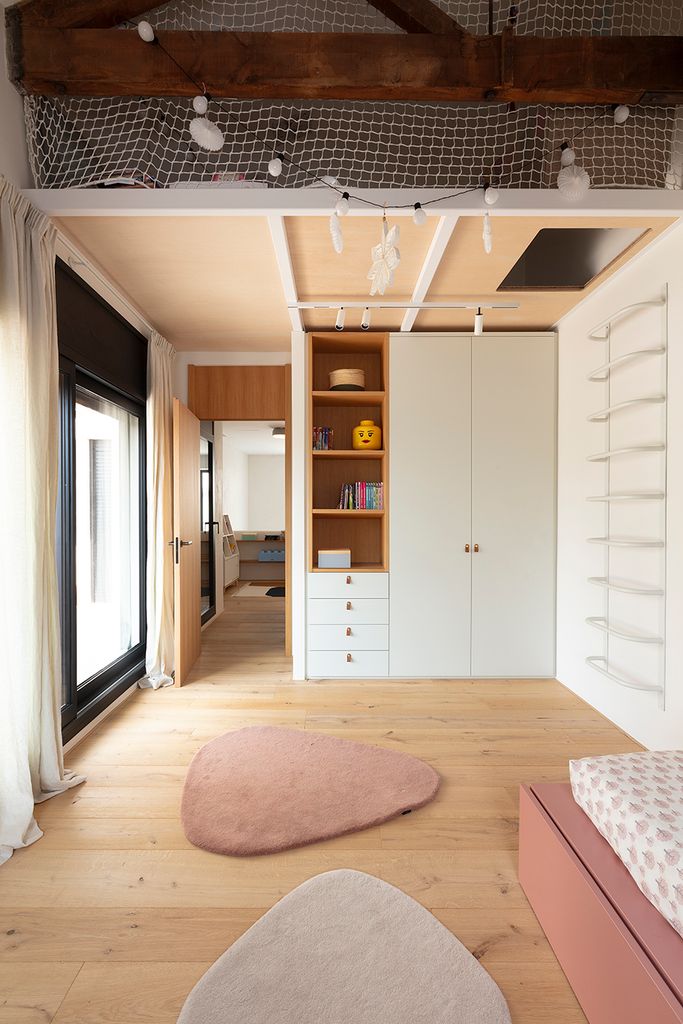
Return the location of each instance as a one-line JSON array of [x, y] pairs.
[[350, 66], [417, 16], [76, 13]]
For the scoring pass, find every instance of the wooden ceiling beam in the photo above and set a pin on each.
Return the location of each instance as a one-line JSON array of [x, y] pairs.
[[417, 16], [75, 13], [349, 66]]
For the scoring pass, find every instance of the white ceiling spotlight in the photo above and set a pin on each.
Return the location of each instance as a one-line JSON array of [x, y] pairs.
[[479, 322], [275, 166], [336, 233], [420, 214], [146, 32], [487, 235], [342, 206], [365, 322], [491, 195], [621, 113], [339, 322]]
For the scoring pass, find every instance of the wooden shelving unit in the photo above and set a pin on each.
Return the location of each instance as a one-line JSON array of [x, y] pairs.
[[364, 531]]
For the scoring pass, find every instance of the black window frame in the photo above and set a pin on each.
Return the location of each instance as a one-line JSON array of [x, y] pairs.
[[81, 704]]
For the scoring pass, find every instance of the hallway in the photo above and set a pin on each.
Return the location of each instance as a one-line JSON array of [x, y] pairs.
[[113, 915]]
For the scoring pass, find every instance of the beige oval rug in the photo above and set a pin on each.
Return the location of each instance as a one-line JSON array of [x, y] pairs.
[[346, 948], [265, 788]]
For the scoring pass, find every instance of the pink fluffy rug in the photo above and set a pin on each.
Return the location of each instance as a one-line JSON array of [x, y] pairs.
[[263, 789]]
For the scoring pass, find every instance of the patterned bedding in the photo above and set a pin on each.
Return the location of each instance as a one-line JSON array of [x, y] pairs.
[[636, 802]]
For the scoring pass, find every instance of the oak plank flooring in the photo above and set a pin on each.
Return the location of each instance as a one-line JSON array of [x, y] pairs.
[[113, 915]]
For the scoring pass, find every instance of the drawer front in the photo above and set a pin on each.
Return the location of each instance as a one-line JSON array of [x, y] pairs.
[[362, 584], [335, 664], [359, 638], [333, 611]]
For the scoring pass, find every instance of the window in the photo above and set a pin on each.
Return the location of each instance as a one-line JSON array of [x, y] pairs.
[[101, 512]]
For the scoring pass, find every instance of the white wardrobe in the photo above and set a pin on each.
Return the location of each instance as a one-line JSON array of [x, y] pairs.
[[472, 494]]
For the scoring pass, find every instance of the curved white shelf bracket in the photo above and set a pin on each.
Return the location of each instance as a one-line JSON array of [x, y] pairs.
[[624, 587], [601, 665], [601, 373], [627, 542], [620, 313], [633, 450], [601, 623], [603, 414]]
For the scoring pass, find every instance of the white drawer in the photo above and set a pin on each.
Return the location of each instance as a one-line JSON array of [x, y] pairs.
[[359, 638], [335, 611], [360, 584], [335, 664]]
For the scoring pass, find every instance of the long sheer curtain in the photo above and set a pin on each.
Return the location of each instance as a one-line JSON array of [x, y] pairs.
[[31, 763], [159, 654]]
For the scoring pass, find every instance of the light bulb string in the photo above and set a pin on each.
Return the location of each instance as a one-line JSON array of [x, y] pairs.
[[582, 131], [343, 192]]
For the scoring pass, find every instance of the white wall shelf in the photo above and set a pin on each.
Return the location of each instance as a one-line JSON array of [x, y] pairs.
[[623, 632], [627, 542], [601, 665], [601, 373], [604, 414], [632, 450], [626, 587], [609, 321], [629, 496]]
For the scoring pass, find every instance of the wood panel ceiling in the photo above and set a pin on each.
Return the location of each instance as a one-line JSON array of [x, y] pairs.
[[214, 283]]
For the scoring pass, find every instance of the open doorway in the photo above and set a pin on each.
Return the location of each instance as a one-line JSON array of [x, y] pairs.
[[253, 526]]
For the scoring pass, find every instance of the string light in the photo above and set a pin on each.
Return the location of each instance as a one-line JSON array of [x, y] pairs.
[[491, 195], [146, 32], [420, 215], [342, 206], [200, 105], [275, 166], [621, 113], [567, 155]]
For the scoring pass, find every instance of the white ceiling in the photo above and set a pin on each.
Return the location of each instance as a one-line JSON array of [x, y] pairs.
[[254, 438]]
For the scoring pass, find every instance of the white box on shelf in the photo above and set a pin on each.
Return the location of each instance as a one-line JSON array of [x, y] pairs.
[[339, 558]]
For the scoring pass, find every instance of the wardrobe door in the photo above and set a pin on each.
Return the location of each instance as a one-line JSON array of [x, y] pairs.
[[429, 579], [513, 505]]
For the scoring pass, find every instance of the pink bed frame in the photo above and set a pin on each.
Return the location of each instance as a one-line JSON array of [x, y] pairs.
[[621, 957]]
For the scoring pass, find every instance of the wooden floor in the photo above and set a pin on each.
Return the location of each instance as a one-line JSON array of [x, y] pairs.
[[113, 916]]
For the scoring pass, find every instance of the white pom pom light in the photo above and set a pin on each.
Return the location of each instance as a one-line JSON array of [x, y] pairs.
[[146, 32], [573, 182], [206, 134], [200, 105]]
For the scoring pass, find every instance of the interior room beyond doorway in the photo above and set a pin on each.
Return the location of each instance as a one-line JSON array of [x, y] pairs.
[[253, 525]]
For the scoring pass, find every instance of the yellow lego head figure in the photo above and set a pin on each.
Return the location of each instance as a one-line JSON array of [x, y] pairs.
[[367, 435]]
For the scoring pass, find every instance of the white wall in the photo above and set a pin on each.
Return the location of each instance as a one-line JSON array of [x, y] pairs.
[[13, 154], [638, 713], [236, 485], [267, 492]]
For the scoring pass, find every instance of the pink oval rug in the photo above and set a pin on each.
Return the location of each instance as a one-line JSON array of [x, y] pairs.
[[263, 789], [346, 948]]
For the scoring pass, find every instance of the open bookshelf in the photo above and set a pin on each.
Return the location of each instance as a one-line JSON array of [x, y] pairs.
[[364, 531]]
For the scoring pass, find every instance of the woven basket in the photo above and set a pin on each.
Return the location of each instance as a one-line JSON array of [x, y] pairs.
[[347, 380]]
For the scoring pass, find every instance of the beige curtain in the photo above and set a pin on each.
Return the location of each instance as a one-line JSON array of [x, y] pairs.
[[159, 655], [31, 764]]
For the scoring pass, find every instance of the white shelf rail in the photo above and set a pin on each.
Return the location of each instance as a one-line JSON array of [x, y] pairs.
[[600, 664], [604, 374]]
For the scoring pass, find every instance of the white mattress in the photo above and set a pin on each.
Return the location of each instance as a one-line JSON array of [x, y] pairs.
[[636, 802]]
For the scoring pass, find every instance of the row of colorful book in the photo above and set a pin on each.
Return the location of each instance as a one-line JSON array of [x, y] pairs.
[[364, 494], [323, 439]]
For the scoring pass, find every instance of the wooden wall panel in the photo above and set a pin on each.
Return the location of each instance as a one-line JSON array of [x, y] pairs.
[[238, 392]]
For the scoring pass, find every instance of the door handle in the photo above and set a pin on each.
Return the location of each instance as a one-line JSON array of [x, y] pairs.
[[476, 548], [467, 549], [186, 543]]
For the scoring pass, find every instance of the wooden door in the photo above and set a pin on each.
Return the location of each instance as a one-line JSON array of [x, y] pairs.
[[513, 505], [430, 505], [186, 540]]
